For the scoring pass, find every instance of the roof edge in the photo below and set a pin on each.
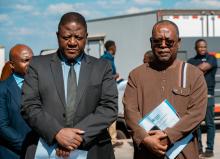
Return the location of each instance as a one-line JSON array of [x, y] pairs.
[[164, 12]]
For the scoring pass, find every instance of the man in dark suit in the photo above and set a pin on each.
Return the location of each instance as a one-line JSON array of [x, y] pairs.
[[13, 129], [76, 120]]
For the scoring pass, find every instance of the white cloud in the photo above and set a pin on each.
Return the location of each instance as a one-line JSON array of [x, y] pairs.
[[60, 8], [117, 1], [25, 8], [102, 3], [211, 3], [36, 13], [199, 4], [137, 10], [20, 31], [4, 17], [106, 4], [5, 21], [24, 31], [150, 2], [88, 11]]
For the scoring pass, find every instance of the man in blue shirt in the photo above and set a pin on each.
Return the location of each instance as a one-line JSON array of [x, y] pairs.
[[110, 50], [13, 129], [208, 65]]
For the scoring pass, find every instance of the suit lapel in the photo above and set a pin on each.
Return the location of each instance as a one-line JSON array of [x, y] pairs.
[[14, 90], [84, 76], [58, 77]]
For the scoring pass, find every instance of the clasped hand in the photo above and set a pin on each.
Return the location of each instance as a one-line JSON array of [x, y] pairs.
[[68, 140], [156, 142]]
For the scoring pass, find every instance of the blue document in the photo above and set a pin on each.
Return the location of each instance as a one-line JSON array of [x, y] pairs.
[[162, 117], [45, 151]]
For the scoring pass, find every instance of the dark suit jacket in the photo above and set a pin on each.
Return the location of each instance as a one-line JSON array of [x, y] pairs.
[[13, 129], [43, 104]]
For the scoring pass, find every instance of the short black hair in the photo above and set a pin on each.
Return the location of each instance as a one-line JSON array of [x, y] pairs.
[[72, 17], [199, 40], [166, 22], [109, 44]]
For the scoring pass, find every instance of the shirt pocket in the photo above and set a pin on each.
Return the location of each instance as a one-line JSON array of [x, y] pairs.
[[181, 98]]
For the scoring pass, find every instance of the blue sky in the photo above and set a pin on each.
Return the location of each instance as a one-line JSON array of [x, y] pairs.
[[34, 22]]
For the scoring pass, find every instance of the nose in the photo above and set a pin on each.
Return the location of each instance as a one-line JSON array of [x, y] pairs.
[[163, 44], [72, 41]]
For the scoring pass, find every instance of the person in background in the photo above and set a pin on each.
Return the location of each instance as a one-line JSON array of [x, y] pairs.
[[13, 128], [208, 65], [6, 71], [70, 98], [166, 77], [148, 56], [110, 51]]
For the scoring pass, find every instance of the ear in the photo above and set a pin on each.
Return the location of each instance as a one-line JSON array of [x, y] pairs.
[[179, 43], [195, 47], [11, 64], [151, 43]]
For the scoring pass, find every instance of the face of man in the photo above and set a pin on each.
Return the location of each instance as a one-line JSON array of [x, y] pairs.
[[201, 48], [21, 57], [113, 50], [72, 39], [165, 42]]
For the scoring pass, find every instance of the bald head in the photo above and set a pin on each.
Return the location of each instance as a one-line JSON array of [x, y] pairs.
[[18, 50], [166, 22], [20, 56]]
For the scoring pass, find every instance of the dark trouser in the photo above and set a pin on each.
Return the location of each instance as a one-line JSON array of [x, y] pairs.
[[209, 125]]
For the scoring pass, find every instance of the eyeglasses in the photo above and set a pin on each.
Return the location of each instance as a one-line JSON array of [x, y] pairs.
[[158, 42]]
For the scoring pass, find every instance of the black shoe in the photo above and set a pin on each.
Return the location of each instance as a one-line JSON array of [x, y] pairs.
[[200, 151], [208, 153]]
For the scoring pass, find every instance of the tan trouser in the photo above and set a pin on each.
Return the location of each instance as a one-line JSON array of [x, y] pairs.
[[113, 133]]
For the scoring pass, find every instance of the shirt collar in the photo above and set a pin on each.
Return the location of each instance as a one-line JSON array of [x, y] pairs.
[[201, 56], [77, 60], [19, 79], [109, 54]]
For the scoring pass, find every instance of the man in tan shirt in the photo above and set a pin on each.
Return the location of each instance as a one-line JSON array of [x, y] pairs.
[[165, 77]]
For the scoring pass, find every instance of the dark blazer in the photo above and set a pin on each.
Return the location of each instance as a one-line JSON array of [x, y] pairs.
[[43, 104], [13, 129]]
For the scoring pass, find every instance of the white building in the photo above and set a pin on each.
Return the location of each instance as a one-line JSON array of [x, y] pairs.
[[132, 32]]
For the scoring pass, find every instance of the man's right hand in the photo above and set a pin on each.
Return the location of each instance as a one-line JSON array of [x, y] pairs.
[[153, 144], [69, 138]]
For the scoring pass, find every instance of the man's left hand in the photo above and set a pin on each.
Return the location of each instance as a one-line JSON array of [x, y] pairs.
[[62, 152], [164, 139]]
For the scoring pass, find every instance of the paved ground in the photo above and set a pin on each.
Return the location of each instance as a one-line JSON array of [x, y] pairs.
[[216, 147], [126, 150]]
